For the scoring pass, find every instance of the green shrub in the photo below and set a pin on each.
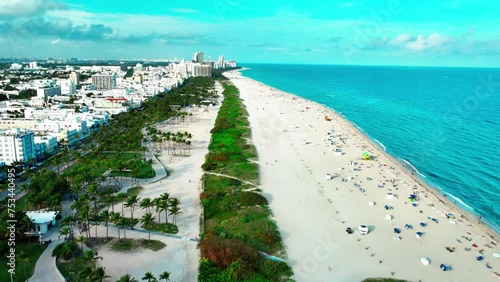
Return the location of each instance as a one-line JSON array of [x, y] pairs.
[[269, 268], [223, 252], [251, 199]]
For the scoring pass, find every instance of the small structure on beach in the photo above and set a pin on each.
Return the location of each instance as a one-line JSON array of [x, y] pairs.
[[327, 118], [367, 156]]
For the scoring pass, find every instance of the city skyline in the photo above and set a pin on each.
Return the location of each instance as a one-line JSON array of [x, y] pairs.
[[451, 33]]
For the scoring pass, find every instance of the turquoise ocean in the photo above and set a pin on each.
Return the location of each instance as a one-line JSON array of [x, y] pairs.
[[442, 122]]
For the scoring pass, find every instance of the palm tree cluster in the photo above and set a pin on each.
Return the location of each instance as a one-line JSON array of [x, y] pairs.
[[94, 208], [178, 143], [91, 272], [148, 276]]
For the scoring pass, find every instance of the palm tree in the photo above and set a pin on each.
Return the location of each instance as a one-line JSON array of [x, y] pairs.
[[81, 239], [95, 218], [115, 218], [121, 197], [105, 215], [165, 197], [122, 223], [175, 211], [91, 256], [174, 208], [149, 277], [131, 203], [100, 274], [85, 273], [24, 258], [160, 206], [165, 275], [65, 232], [146, 203], [147, 221], [126, 278]]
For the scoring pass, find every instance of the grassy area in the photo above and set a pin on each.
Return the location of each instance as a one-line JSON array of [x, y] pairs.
[[129, 245], [89, 166], [163, 227], [33, 250], [237, 223], [69, 269], [153, 245], [134, 191]]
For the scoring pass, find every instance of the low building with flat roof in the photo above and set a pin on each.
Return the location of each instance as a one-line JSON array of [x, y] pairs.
[[42, 220]]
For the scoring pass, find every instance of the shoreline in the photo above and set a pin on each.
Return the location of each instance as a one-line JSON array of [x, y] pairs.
[[490, 230], [293, 141]]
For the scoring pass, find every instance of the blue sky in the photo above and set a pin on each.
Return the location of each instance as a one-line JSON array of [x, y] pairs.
[[368, 32]]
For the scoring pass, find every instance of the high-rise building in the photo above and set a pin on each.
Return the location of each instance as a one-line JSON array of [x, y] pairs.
[[199, 57], [202, 70], [33, 65], [16, 146], [221, 59], [75, 78], [104, 81]]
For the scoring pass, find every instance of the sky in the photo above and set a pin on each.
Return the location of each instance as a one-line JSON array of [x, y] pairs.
[[359, 32]]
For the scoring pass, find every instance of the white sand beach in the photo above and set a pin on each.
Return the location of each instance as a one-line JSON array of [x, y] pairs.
[[296, 147]]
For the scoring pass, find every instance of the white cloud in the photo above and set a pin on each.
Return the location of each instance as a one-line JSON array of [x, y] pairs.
[[433, 42], [26, 8]]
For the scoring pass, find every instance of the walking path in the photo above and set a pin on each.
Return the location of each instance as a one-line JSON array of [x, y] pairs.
[[232, 177]]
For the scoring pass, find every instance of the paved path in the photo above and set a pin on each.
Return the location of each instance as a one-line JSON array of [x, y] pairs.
[[45, 267]]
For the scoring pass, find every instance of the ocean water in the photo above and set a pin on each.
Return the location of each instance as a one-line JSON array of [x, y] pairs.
[[444, 122]]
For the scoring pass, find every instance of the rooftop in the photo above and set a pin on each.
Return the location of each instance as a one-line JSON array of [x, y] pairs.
[[40, 217]]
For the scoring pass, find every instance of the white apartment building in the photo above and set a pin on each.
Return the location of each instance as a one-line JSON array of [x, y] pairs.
[[67, 86], [75, 78], [17, 123], [202, 70], [16, 146], [48, 91], [104, 81], [45, 144]]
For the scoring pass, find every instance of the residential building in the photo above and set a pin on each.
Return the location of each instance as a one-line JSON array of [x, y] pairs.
[[17, 146], [75, 78], [202, 70], [199, 57], [48, 91], [104, 81]]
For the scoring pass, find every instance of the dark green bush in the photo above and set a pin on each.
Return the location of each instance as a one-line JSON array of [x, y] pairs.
[[251, 199]]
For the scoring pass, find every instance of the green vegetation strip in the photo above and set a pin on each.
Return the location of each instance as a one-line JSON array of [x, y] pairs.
[[237, 223], [27, 255]]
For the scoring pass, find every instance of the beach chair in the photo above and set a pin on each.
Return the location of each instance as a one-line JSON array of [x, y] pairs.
[[397, 230]]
